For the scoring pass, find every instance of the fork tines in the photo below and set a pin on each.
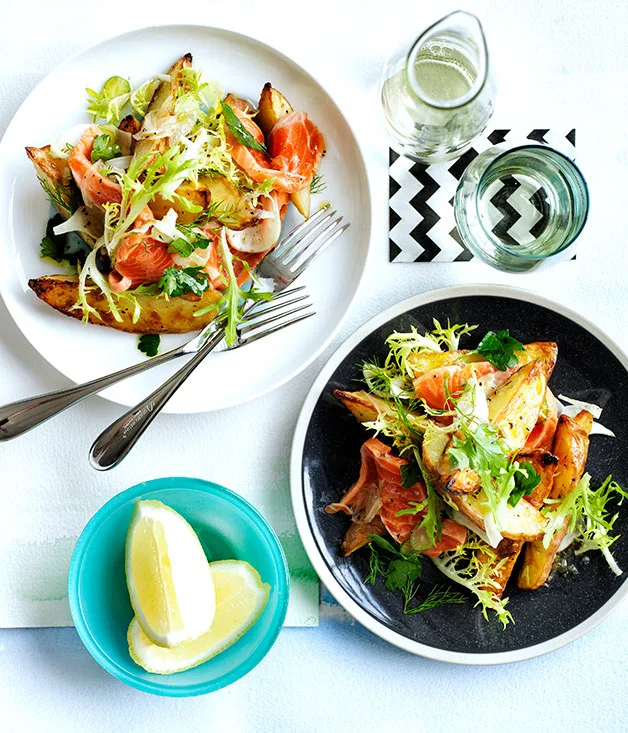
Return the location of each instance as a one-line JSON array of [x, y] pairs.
[[295, 305], [306, 242]]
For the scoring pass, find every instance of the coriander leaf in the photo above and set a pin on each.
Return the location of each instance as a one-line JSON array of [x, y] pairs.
[[176, 282], [182, 246], [104, 148], [51, 249], [410, 475], [402, 573], [525, 483], [239, 131], [499, 349], [438, 596], [414, 508], [148, 343]]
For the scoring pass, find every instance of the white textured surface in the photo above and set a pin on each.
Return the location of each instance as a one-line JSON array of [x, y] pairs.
[[338, 676]]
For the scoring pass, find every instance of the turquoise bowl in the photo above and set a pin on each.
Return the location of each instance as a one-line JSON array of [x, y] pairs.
[[228, 528]]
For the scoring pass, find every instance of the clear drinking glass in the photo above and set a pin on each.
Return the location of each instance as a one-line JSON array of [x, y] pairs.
[[437, 96], [517, 205]]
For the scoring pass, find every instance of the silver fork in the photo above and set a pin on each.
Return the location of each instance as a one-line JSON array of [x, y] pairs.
[[18, 417], [115, 442], [283, 266]]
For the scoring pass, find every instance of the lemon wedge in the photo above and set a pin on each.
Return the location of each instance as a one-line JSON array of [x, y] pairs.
[[169, 581], [240, 599]]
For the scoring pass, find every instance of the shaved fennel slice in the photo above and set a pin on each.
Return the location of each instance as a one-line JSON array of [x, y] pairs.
[[83, 221], [493, 535], [573, 407], [90, 269], [466, 522], [121, 163], [165, 230], [61, 142]]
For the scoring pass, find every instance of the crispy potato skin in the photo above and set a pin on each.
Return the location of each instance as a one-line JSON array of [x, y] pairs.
[[547, 351], [544, 464], [571, 446], [56, 175], [158, 315], [165, 95], [514, 406], [521, 522], [363, 406], [507, 550], [272, 107], [130, 124], [233, 211]]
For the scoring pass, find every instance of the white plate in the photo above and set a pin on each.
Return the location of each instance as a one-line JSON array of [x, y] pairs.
[[239, 64]]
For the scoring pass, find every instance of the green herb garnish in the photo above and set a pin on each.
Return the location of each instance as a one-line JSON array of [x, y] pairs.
[[526, 480], [148, 343], [499, 349], [463, 566], [589, 516], [317, 184], [104, 148], [410, 475], [176, 282], [438, 596], [107, 104], [182, 247], [51, 249], [402, 572], [239, 131]]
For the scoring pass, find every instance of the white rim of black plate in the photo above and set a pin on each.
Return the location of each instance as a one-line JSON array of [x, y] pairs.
[[298, 499]]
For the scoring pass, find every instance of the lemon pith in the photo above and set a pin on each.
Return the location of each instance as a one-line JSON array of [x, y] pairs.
[[240, 600], [170, 585]]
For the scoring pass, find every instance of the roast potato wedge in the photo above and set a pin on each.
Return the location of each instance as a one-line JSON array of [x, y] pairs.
[[55, 177], [427, 360], [547, 351], [544, 464], [514, 406], [272, 107], [231, 208], [363, 406], [508, 552], [571, 446], [520, 522], [163, 99], [158, 315]]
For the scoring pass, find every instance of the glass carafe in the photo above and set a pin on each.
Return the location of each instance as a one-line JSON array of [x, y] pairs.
[[437, 95]]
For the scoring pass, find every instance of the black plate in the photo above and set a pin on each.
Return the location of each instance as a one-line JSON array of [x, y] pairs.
[[329, 460]]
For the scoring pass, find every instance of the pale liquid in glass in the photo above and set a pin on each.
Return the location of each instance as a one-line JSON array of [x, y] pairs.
[[425, 120]]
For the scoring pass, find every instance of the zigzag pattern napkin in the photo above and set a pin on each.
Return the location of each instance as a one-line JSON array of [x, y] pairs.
[[421, 197]]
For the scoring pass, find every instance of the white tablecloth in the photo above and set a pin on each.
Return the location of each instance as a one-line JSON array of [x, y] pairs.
[[556, 62]]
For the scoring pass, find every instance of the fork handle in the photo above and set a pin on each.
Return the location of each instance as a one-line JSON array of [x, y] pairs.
[[115, 442], [18, 417]]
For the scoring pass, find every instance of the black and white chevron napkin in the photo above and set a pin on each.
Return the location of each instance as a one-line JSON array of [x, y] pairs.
[[421, 198]]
